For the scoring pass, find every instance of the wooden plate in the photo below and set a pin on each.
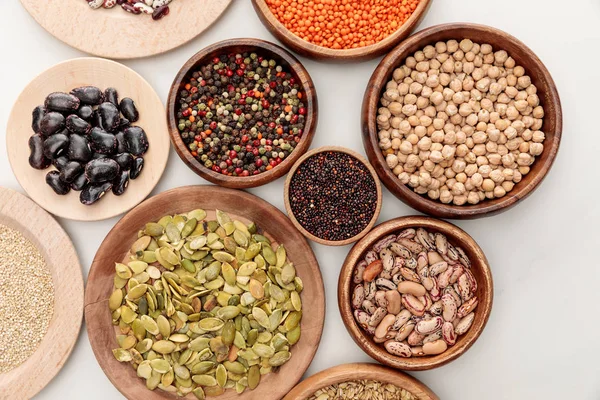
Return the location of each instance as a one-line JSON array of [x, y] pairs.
[[117, 34], [64, 77], [480, 269], [288, 206], [242, 206], [359, 371], [20, 213]]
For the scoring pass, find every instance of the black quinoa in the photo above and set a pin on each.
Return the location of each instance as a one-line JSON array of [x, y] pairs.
[[333, 195]]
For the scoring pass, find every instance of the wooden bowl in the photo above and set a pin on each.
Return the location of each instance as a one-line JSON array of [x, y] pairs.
[[238, 46], [524, 56], [288, 207], [480, 269], [360, 371], [242, 206], [64, 77], [116, 34], [20, 213], [320, 53]]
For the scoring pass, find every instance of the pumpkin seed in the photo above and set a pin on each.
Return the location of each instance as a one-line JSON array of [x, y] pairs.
[[253, 377], [164, 347], [204, 380], [161, 366], [122, 355], [115, 300]]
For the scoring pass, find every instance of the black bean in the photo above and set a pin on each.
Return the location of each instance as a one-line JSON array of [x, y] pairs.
[[121, 145], [55, 145], [124, 123], [129, 110], [137, 141], [79, 149], [85, 112], [136, 170], [111, 95], [36, 118], [77, 125], [108, 116], [102, 142], [101, 170], [60, 162], [52, 123], [79, 183], [62, 102], [120, 183], [53, 180], [92, 193], [125, 161], [98, 156], [71, 171], [88, 95], [37, 159]]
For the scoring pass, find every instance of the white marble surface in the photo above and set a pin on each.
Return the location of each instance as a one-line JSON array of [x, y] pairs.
[[541, 340]]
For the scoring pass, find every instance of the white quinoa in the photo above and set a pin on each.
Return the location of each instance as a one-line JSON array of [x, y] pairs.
[[26, 298], [362, 390]]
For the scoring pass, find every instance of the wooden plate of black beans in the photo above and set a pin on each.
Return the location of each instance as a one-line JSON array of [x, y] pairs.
[[87, 139]]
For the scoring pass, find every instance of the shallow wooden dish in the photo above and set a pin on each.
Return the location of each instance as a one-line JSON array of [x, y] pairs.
[[116, 34], [480, 269], [20, 213], [308, 49], [524, 56], [288, 207], [242, 45], [244, 207], [359, 371], [64, 77]]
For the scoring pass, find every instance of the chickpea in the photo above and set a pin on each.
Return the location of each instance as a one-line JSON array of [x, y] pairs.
[[485, 170], [535, 149], [398, 169], [436, 156], [488, 185], [404, 178], [459, 200], [391, 161]]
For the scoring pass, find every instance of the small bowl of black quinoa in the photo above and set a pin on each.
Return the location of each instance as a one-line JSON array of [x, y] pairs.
[[333, 195], [241, 112]]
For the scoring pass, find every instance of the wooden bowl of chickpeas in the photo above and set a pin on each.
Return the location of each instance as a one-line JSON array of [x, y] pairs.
[[461, 121]]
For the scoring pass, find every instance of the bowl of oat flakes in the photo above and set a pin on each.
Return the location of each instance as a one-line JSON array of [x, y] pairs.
[[361, 381]]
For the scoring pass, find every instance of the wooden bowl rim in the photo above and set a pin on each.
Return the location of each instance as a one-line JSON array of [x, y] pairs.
[[55, 245], [288, 206], [485, 287], [314, 51], [310, 125], [345, 372], [94, 299], [406, 194], [62, 206]]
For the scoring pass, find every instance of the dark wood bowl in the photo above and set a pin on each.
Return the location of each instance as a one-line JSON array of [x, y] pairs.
[[321, 53], [242, 206], [480, 269], [525, 57], [288, 207], [238, 46], [360, 371]]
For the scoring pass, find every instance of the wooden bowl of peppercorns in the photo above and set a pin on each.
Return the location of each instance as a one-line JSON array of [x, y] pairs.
[[502, 192], [241, 112]]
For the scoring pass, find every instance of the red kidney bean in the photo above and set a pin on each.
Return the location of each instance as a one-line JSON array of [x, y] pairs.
[[129, 8], [160, 12]]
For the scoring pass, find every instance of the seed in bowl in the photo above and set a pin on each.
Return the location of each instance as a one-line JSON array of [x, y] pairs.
[[205, 305], [338, 24], [241, 114], [363, 390], [333, 195], [156, 8], [415, 293], [460, 122]]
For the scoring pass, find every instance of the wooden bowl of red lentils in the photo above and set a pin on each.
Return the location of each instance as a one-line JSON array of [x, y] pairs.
[[341, 31], [506, 138], [333, 196], [241, 112]]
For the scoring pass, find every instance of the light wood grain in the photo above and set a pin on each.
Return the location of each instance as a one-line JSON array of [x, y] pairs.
[[359, 371], [64, 77], [320, 53], [20, 213], [499, 40], [114, 33], [240, 205], [480, 269], [288, 207], [239, 46]]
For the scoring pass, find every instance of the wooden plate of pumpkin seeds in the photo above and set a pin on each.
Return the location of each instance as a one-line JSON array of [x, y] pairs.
[[201, 292], [41, 296]]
